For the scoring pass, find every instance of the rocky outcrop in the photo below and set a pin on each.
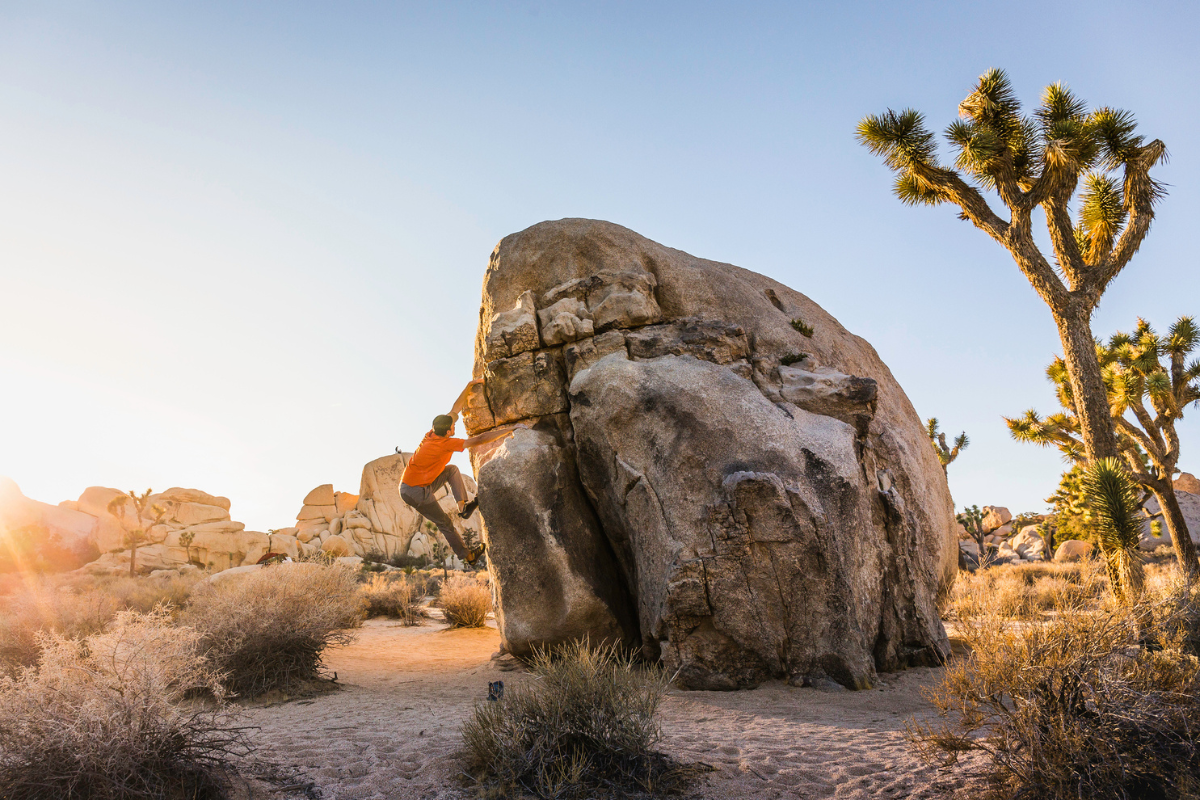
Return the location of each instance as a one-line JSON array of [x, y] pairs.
[[1073, 550], [995, 518], [1189, 504], [702, 478], [1187, 482]]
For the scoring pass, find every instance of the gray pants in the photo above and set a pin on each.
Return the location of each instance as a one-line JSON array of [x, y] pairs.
[[422, 499]]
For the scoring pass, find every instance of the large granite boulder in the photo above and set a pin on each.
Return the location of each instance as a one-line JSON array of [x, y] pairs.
[[703, 478], [1189, 504]]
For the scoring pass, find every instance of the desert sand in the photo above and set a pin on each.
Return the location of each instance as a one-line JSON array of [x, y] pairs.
[[392, 728]]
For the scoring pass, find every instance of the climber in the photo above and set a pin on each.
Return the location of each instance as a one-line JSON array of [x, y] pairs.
[[430, 469]]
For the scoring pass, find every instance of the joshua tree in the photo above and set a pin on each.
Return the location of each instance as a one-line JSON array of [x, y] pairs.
[[945, 453], [1113, 497], [972, 520], [186, 539], [119, 507], [1032, 161], [1136, 382]]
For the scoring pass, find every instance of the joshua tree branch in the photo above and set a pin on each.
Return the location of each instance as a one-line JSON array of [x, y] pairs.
[[1140, 196], [1062, 236], [1147, 423], [1138, 435], [965, 197], [1019, 242]]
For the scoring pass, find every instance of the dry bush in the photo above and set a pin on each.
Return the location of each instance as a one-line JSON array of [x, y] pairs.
[[105, 718], [268, 629], [1089, 703], [147, 594], [398, 597], [77, 607], [1025, 591], [584, 727], [465, 602], [42, 607]]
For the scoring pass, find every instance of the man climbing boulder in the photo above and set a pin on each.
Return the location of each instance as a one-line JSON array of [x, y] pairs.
[[430, 469]]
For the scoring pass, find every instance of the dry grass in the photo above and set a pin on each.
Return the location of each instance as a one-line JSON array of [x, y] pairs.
[[1100, 700], [584, 727], [1026, 591], [395, 596], [465, 601], [268, 629], [105, 718], [75, 608]]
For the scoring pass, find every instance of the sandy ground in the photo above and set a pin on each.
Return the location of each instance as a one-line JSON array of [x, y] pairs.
[[392, 730]]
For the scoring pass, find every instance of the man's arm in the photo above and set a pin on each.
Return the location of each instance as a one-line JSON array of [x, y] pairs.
[[495, 433], [461, 402]]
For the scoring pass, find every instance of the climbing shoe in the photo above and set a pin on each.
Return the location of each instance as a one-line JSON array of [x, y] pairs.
[[469, 509], [475, 552]]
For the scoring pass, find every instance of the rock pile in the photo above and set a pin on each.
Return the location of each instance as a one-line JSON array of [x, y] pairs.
[[196, 529], [1004, 544], [717, 470]]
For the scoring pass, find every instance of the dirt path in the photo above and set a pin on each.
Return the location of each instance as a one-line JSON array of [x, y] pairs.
[[392, 730]]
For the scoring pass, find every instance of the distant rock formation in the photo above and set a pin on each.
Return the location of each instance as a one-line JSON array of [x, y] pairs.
[[717, 471], [196, 530], [375, 521]]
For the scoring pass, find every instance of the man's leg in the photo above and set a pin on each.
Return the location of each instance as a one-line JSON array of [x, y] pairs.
[[431, 511], [452, 476]]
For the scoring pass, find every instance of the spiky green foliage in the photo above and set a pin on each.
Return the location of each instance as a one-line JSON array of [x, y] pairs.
[[801, 327], [945, 453], [1072, 516], [1148, 383], [1114, 500], [971, 519], [1038, 160], [1137, 382], [793, 358]]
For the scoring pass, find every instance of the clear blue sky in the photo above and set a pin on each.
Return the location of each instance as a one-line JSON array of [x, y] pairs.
[[241, 245]]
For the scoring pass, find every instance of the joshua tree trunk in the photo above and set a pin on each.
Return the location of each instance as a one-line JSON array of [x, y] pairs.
[[1185, 549], [1087, 386]]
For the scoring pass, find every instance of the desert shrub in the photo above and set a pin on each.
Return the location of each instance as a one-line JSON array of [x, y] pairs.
[[397, 597], [585, 726], [409, 562], [1088, 703], [105, 718], [41, 607], [268, 629], [77, 607], [146, 594], [465, 602]]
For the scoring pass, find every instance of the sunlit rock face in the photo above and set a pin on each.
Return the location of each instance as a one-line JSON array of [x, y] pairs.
[[703, 479]]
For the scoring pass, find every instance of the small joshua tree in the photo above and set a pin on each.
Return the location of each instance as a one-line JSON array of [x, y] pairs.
[[1137, 383], [119, 507], [971, 518], [1113, 497], [945, 453], [186, 539]]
